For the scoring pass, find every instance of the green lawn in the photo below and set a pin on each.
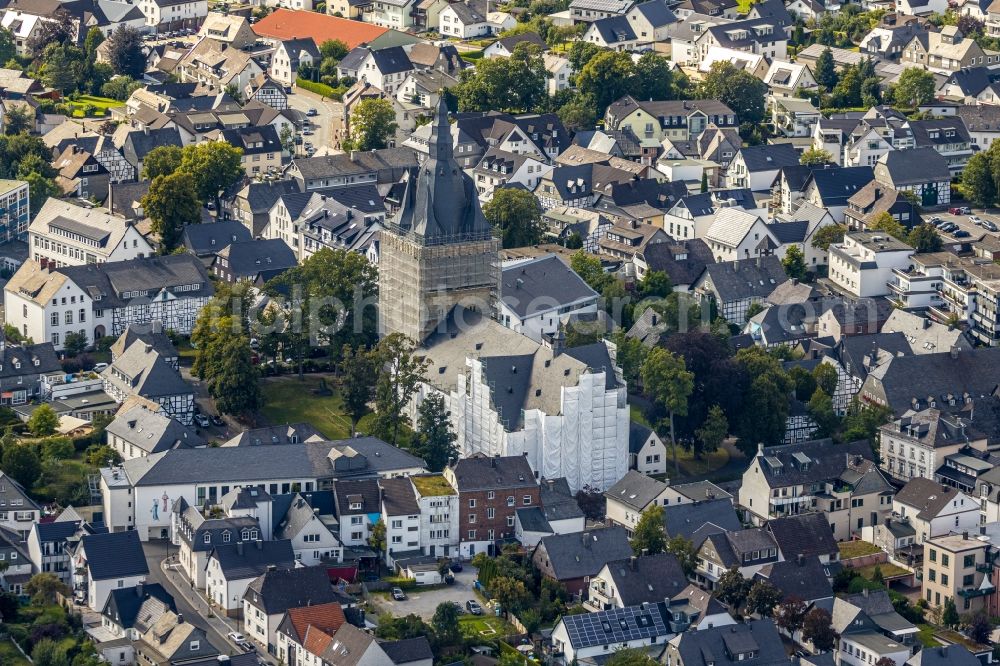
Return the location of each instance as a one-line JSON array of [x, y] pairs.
[[289, 400], [10, 656], [888, 570], [685, 459], [849, 549], [484, 627], [926, 636], [100, 105]]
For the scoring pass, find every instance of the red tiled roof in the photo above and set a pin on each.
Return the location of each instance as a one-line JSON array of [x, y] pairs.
[[296, 24], [316, 641], [325, 617]]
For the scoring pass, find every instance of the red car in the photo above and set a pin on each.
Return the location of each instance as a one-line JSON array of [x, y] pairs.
[[961, 210]]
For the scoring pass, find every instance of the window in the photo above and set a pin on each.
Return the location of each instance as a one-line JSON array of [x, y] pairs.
[[491, 495], [510, 501], [527, 500], [472, 517], [933, 555], [490, 513], [207, 538], [969, 561], [944, 579], [53, 319], [83, 315], [55, 339], [510, 521], [68, 317], [472, 503], [472, 534], [945, 559]]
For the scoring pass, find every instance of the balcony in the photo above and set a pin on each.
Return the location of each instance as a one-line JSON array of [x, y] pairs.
[[975, 592], [985, 567]]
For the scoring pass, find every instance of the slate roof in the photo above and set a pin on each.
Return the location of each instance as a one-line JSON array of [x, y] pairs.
[[903, 378], [282, 589], [767, 157], [742, 279], [479, 472], [407, 650], [806, 580], [580, 554], [141, 370], [955, 654], [836, 186], [914, 166], [927, 496], [256, 557], [657, 12], [509, 43], [557, 500], [292, 433], [114, 555], [683, 261], [152, 432], [635, 489], [647, 579], [258, 257], [391, 60], [127, 605], [807, 534], [614, 30], [137, 144], [150, 274], [703, 518], [398, 497], [541, 284], [723, 645], [638, 434], [207, 239], [824, 462], [363, 491]]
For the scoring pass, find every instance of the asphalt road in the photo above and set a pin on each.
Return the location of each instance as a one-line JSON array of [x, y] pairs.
[[303, 100], [963, 221], [425, 602]]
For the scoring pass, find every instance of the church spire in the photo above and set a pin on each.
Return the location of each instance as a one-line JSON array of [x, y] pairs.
[[439, 146]]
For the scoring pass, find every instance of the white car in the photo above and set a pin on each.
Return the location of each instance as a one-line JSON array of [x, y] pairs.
[[236, 637]]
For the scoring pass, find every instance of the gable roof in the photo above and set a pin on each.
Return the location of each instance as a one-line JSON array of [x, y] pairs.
[[239, 561], [407, 650], [635, 489], [704, 518], [808, 462], [279, 590], [128, 606], [731, 644], [745, 278], [767, 157], [290, 24], [114, 555], [806, 579], [580, 554], [647, 579], [151, 431], [327, 617], [928, 497], [540, 284], [806, 534], [913, 166]]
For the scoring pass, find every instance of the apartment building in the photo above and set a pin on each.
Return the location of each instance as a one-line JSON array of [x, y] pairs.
[[916, 444], [863, 264], [955, 567], [15, 209], [66, 234]]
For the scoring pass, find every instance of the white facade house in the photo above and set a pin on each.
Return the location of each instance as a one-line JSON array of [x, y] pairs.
[[863, 264], [65, 234], [935, 510], [232, 567], [574, 424], [103, 562], [558, 73], [738, 234], [462, 20], [537, 293], [104, 299], [438, 502], [166, 15]]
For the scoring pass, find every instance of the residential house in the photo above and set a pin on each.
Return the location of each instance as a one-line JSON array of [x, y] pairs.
[[18, 512], [231, 568], [253, 261], [15, 199], [261, 148], [358, 505], [589, 635], [933, 509], [66, 234], [745, 550], [755, 167], [301, 622], [290, 57], [274, 593], [573, 559], [944, 52], [128, 613], [862, 265], [51, 544], [137, 431], [786, 79], [832, 188], [736, 285], [764, 37], [634, 493], [17, 562], [660, 120], [537, 293], [314, 537], [739, 235], [955, 566], [648, 579], [142, 371], [196, 535], [916, 444], [647, 454], [889, 38], [559, 514], [103, 562], [171, 15], [869, 628], [756, 641], [869, 202], [588, 11], [25, 374], [465, 20], [438, 503]]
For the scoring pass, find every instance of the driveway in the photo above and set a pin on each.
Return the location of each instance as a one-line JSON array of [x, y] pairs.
[[206, 405], [424, 602], [302, 100]]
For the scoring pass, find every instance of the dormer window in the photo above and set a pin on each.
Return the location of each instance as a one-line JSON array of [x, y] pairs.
[[207, 538], [355, 506]]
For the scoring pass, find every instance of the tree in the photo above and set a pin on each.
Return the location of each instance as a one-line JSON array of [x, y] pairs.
[[516, 83], [589, 268], [103, 456], [214, 166], [666, 379], [43, 588], [8, 50], [608, 76], [171, 204], [732, 588], [791, 614], [43, 421], [591, 502], [21, 463], [815, 157], [827, 236], [825, 70], [509, 592], [817, 628], [517, 215], [649, 536], [924, 238], [820, 409], [161, 161], [40, 177], [373, 123], [357, 383], [656, 79], [445, 623], [949, 617], [333, 49], [232, 381], [47, 652], [826, 378], [435, 441], [18, 119], [736, 88], [93, 39], [683, 549], [630, 657], [765, 405], [979, 628], [120, 88], [578, 112], [863, 420], [762, 598], [978, 180], [399, 371], [74, 343], [58, 31], [915, 87], [57, 69], [794, 263], [125, 52], [712, 432], [376, 537], [886, 223]]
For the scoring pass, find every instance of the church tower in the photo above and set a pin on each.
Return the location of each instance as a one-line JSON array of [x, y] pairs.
[[439, 251]]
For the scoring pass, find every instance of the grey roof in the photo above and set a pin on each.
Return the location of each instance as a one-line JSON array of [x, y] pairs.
[[365, 492], [597, 358], [789, 232], [258, 257], [726, 644], [657, 12], [903, 378], [683, 261], [298, 516], [836, 186], [407, 650], [557, 500], [614, 626], [150, 333], [635, 489], [114, 555], [955, 654], [276, 591], [647, 579], [781, 467], [261, 196], [392, 60], [136, 145], [638, 434], [152, 432], [398, 497], [542, 284], [533, 519], [807, 534], [441, 202], [614, 29], [292, 433], [239, 560], [580, 554], [18, 360], [703, 518], [141, 370], [129, 606], [746, 278], [914, 166], [531, 37], [358, 457], [806, 580], [767, 157], [479, 472], [207, 239], [928, 497], [152, 275]]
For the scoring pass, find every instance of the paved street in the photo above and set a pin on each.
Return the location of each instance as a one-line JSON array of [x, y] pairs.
[[189, 602], [425, 602], [303, 100]]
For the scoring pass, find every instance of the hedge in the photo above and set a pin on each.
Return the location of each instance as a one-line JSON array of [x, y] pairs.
[[320, 88]]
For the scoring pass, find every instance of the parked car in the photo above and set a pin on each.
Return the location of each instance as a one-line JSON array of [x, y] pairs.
[[217, 421], [976, 220], [473, 607], [961, 233], [398, 594], [960, 210], [312, 112], [98, 367], [202, 420], [989, 226], [247, 646], [236, 637], [949, 227], [455, 567], [449, 578]]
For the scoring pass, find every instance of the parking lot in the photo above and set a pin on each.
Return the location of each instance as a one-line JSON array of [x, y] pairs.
[[965, 225], [424, 602]]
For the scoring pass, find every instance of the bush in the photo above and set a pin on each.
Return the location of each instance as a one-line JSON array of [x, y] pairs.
[[320, 89], [401, 583], [57, 448]]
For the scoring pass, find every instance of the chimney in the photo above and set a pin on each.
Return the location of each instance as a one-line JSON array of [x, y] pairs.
[[953, 351], [965, 536], [180, 619], [139, 589], [493, 461], [982, 529], [239, 548], [800, 559], [260, 544], [633, 563]]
